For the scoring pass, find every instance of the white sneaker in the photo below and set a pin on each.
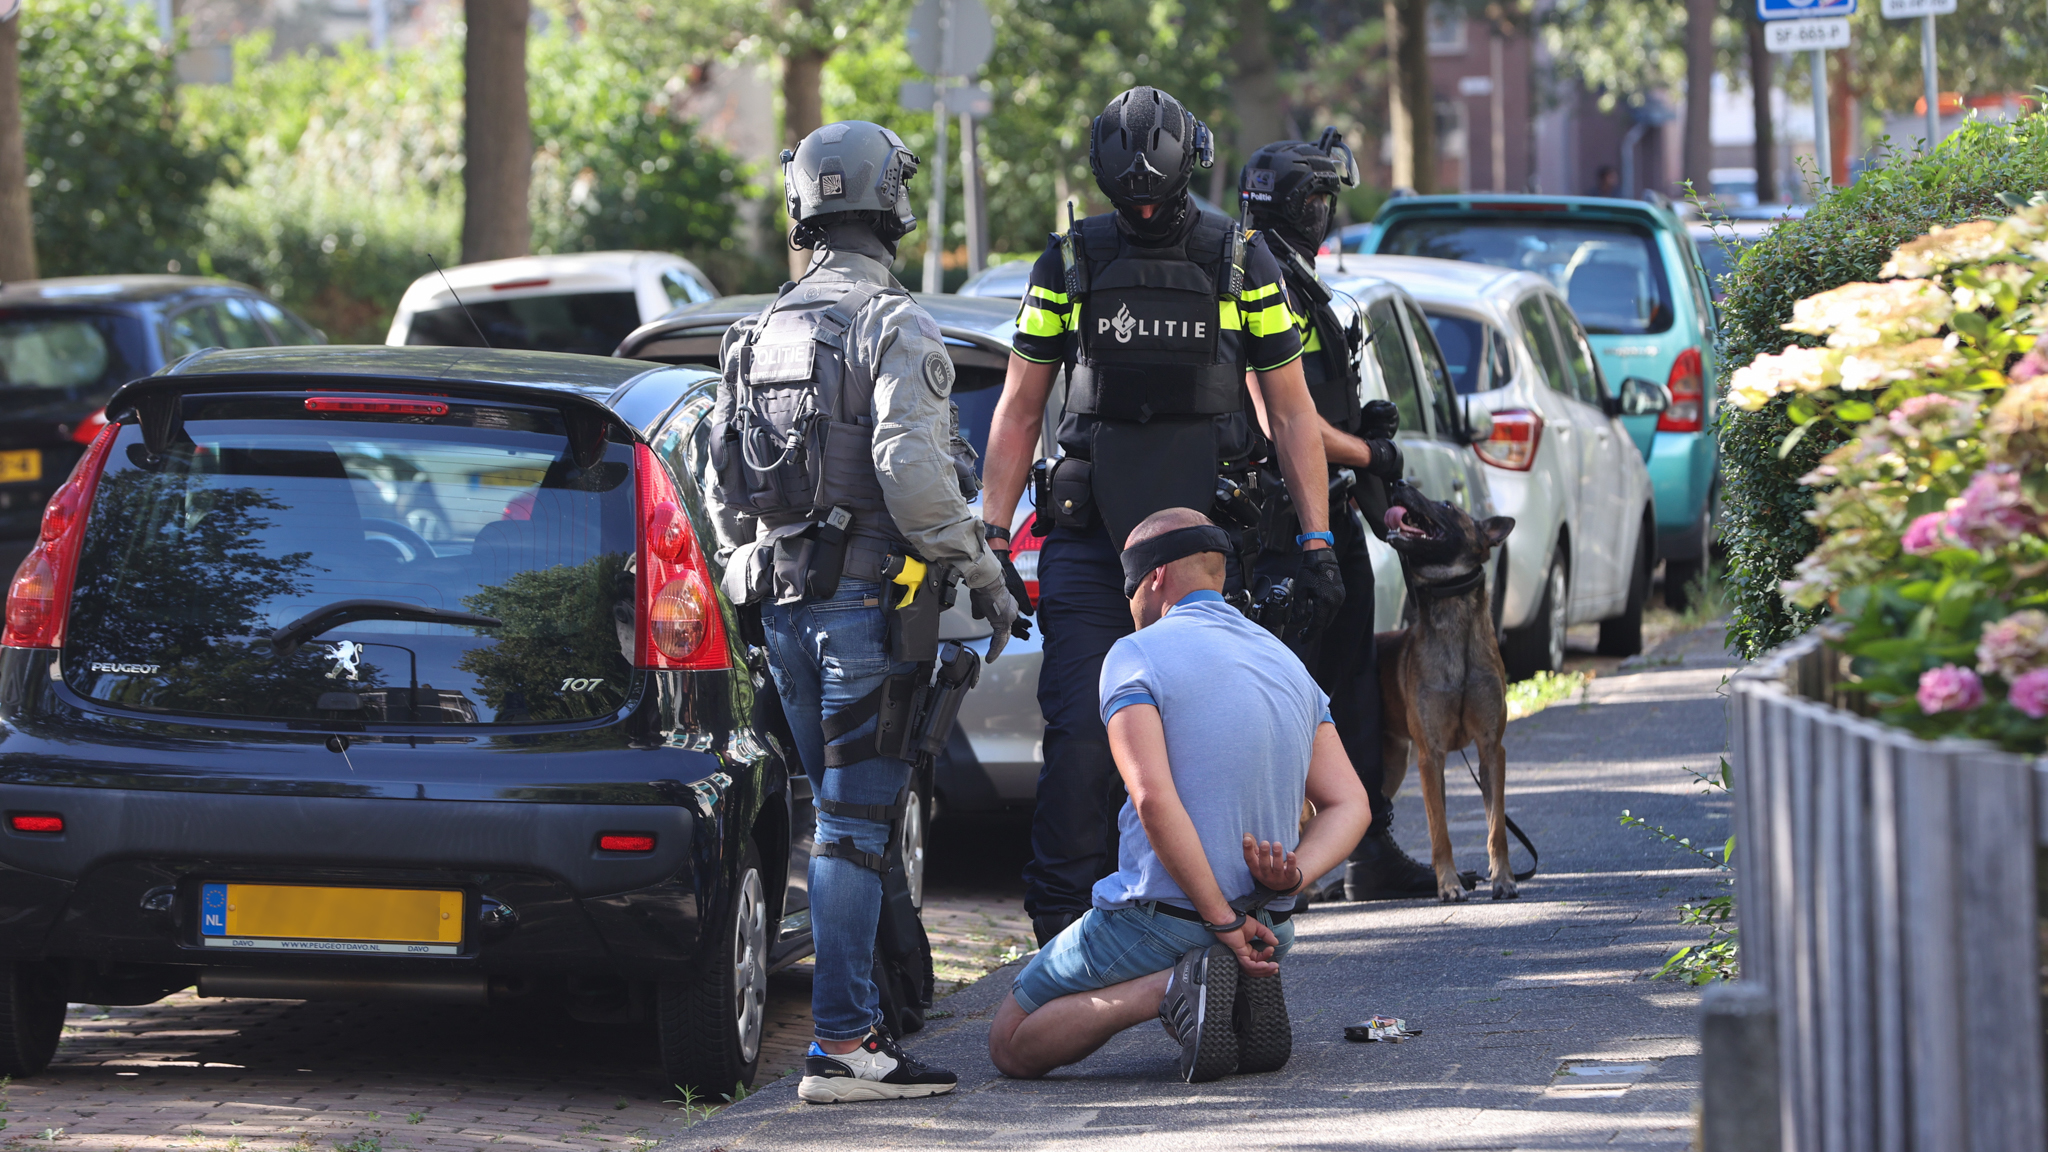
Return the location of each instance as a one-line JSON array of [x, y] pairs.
[[877, 1070]]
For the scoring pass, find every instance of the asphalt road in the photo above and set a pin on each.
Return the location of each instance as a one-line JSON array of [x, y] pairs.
[[1540, 1026]]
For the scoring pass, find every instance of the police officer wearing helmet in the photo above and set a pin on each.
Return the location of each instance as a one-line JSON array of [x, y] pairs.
[[1157, 310], [1289, 190], [834, 431]]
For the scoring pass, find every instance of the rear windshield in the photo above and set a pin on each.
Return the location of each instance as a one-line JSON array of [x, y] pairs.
[[261, 514], [1610, 272], [61, 351], [589, 322]]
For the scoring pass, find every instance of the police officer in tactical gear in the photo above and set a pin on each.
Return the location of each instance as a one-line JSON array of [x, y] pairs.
[[1157, 310], [834, 431], [1289, 190]]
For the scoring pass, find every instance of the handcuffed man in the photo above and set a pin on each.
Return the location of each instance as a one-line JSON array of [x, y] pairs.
[[1219, 734]]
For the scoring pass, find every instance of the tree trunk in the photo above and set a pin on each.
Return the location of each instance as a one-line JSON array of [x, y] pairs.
[[1841, 119], [803, 112], [1411, 104], [1766, 160], [497, 136], [1255, 89], [17, 232], [1699, 94]]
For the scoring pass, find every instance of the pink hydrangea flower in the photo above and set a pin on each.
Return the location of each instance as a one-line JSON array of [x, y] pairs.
[[1923, 535], [1992, 511], [1949, 689], [2029, 693], [2029, 366]]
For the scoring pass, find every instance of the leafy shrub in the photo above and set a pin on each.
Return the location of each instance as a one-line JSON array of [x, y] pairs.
[[1847, 237], [116, 181]]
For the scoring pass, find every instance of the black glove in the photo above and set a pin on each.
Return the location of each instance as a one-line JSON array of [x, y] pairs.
[[1386, 460], [1379, 420], [996, 606], [1014, 581], [1319, 590]]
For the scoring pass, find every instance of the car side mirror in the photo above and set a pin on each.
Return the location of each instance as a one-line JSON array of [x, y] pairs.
[[1478, 421], [1640, 397]]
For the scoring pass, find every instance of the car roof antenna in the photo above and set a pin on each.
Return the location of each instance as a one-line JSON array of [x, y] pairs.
[[481, 338]]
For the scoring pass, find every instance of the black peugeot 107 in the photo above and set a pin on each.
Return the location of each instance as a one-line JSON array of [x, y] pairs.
[[392, 673]]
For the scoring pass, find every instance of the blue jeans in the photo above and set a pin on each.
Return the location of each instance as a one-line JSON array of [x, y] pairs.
[[825, 655], [1111, 946]]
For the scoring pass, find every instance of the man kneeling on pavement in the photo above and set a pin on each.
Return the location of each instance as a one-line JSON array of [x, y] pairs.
[[1219, 734]]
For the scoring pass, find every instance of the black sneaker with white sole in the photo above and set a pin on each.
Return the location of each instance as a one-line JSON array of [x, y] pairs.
[[877, 1070], [1265, 1036], [1200, 1001]]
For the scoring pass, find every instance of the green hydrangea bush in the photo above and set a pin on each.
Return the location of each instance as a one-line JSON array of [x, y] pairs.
[[1847, 238], [1931, 513]]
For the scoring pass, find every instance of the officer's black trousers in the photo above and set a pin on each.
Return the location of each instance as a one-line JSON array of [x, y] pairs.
[[1343, 658]]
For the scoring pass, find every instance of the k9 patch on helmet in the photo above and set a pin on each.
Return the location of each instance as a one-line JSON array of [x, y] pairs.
[[938, 373]]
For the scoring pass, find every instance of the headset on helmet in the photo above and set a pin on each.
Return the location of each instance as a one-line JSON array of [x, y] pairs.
[[1291, 186], [1143, 150], [850, 166]]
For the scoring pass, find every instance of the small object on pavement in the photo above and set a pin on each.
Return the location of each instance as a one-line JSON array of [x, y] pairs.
[[1379, 1029]]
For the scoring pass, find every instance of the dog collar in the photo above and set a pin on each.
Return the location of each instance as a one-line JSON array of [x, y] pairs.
[[1448, 589]]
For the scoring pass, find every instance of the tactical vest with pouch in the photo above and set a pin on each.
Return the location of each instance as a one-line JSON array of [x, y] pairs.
[[1332, 370], [792, 438], [1150, 365]]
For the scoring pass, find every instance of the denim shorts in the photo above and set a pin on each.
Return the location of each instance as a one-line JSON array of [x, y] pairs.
[[1106, 947]]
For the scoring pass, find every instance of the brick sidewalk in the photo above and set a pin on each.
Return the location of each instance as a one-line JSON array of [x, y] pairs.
[[192, 1075]]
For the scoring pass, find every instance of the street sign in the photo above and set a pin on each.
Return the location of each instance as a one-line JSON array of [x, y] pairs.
[[1803, 9], [917, 96], [969, 37], [1908, 9], [1806, 35]]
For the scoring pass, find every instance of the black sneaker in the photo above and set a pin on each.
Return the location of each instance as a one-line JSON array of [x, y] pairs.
[[877, 1070], [1200, 1000], [1379, 870], [1265, 1036]]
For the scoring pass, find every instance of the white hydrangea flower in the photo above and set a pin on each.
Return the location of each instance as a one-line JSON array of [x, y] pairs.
[[1795, 369], [1875, 367], [1945, 247], [1860, 315]]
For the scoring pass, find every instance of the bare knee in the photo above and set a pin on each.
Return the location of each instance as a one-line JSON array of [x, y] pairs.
[[1002, 1042]]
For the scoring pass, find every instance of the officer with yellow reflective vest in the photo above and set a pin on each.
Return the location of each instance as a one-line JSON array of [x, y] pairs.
[[1157, 310], [1289, 191]]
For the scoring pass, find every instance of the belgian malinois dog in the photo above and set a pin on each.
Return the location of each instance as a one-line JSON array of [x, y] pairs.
[[1442, 683]]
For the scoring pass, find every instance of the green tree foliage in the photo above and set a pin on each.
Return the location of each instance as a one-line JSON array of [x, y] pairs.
[[116, 180], [559, 624], [1984, 47], [1847, 237]]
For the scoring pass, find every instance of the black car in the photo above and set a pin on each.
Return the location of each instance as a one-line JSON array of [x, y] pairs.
[[66, 344], [394, 673]]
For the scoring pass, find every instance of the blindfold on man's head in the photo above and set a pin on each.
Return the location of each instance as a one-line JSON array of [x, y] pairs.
[[1142, 558]]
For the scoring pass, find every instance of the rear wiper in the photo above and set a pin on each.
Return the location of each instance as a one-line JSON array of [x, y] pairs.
[[286, 640]]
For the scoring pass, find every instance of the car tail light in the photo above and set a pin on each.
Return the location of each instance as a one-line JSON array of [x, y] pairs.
[[681, 624], [514, 285], [90, 427], [622, 842], [40, 596], [1688, 394], [1516, 434], [1024, 546], [36, 822], [376, 407]]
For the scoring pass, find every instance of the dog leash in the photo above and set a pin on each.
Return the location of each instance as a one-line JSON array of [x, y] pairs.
[[1471, 879]]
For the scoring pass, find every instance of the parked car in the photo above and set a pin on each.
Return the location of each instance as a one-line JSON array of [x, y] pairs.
[[1633, 278], [1005, 281], [67, 343], [579, 302], [1558, 458], [1721, 243], [394, 673]]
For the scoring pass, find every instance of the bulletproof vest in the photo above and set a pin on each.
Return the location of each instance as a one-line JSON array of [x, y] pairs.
[[1150, 340], [792, 429]]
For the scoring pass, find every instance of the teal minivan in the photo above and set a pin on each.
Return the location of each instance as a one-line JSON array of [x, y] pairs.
[[1633, 276]]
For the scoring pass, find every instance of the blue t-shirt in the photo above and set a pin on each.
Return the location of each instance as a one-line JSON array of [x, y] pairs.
[[1240, 714]]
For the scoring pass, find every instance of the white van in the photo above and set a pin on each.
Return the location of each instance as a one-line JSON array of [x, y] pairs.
[[581, 302]]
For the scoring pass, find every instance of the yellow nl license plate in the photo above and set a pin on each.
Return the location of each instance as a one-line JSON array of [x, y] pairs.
[[295, 918], [26, 464]]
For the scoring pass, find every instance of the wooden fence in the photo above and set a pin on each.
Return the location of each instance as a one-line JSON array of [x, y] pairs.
[[1886, 891]]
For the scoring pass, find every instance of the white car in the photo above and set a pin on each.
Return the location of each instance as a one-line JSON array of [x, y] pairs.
[[1558, 458], [581, 302]]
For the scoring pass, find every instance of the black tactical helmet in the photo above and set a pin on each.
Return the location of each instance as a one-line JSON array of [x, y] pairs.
[[1290, 187], [850, 166], [1143, 150]]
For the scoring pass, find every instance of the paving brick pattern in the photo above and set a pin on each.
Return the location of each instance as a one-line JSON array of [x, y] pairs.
[[193, 1075]]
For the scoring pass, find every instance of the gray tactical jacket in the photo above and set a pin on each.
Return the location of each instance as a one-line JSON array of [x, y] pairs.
[[916, 426]]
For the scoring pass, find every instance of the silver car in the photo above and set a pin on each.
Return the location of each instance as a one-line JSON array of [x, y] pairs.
[[994, 759]]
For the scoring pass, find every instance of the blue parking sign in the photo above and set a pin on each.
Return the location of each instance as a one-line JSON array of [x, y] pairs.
[[1803, 9]]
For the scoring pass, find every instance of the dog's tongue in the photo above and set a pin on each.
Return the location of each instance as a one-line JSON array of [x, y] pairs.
[[1394, 517]]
